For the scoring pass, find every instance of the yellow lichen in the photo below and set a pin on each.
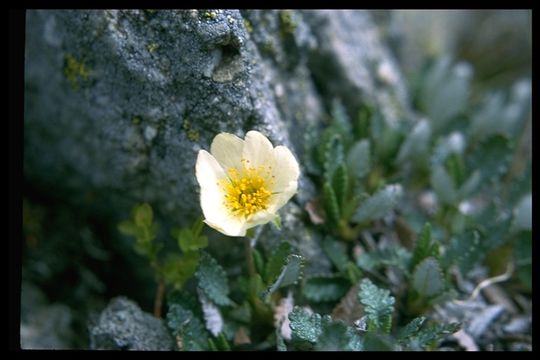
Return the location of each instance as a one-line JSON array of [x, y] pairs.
[[75, 71]]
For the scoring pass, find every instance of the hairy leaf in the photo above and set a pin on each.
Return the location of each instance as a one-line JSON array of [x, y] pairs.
[[424, 246], [212, 280], [390, 256], [427, 277], [322, 288], [276, 261], [443, 185], [358, 159], [189, 328], [331, 205], [410, 330], [340, 184], [379, 204], [379, 305], [336, 336], [304, 325], [333, 156], [290, 273], [335, 252]]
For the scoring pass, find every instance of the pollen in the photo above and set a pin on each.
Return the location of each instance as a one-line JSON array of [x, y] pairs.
[[247, 189]]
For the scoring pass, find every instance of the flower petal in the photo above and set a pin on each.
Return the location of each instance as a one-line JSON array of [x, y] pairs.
[[227, 149], [208, 170], [279, 199], [285, 171], [262, 217], [258, 150]]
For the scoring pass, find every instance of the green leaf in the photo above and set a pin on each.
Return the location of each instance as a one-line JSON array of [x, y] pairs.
[[184, 324], [424, 246], [127, 227], [212, 280], [443, 185], [410, 330], [379, 204], [416, 145], [333, 156], [362, 123], [470, 185], [189, 241], [320, 288], [491, 157], [277, 260], [431, 335], [523, 214], [331, 205], [177, 269], [466, 250], [428, 278], [378, 342], [456, 168], [289, 274], [389, 256], [305, 326], [258, 260], [358, 159], [340, 184], [340, 117], [143, 215], [335, 252], [336, 336], [379, 306]]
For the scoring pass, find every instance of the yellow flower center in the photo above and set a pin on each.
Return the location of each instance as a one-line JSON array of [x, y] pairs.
[[246, 189]]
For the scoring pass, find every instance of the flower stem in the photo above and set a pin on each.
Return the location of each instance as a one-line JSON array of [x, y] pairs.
[[158, 301], [249, 256]]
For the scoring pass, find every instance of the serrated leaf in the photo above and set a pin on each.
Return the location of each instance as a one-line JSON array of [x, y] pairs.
[[378, 342], [411, 329], [424, 246], [432, 334], [212, 316], [466, 250], [277, 259], [336, 336], [443, 185], [335, 252], [340, 117], [143, 215], [258, 260], [189, 328], [362, 123], [333, 156], [428, 278], [289, 274], [358, 159], [177, 269], [340, 184], [379, 306], [305, 326], [331, 205], [455, 167], [379, 204], [212, 280], [389, 256], [322, 288]]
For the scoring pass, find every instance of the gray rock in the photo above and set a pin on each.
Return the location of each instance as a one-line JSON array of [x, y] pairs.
[[43, 325], [124, 326], [118, 103]]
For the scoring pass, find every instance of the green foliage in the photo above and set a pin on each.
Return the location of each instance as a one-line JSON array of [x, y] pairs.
[[189, 328], [289, 274], [389, 256], [190, 239], [177, 269], [336, 253], [358, 159], [379, 204], [424, 247], [331, 204], [143, 229], [428, 278], [379, 306], [276, 261], [212, 280], [320, 288]]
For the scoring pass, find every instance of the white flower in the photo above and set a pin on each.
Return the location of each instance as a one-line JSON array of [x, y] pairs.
[[244, 182]]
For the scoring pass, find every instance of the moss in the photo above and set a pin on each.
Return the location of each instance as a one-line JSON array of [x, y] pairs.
[[191, 133], [287, 23], [75, 71], [211, 15], [151, 47], [248, 26]]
